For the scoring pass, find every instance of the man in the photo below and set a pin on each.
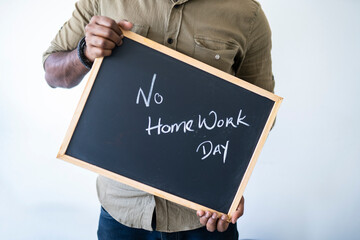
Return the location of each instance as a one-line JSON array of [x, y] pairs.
[[232, 35]]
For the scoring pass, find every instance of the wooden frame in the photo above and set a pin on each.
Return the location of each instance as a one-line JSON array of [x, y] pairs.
[[158, 47]]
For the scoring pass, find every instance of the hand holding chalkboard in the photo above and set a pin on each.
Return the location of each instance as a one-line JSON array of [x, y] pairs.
[[103, 34], [156, 127], [213, 221]]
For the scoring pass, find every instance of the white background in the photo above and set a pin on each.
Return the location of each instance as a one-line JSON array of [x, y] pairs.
[[306, 184]]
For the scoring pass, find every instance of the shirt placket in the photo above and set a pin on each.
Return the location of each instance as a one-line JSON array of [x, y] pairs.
[[173, 26]]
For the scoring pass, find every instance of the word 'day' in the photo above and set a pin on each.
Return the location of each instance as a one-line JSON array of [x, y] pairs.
[[208, 149]]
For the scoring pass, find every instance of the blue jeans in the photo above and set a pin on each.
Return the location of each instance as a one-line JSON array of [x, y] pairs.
[[110, 229]]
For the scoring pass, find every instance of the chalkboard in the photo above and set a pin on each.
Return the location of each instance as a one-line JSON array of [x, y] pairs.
[[170, 125]]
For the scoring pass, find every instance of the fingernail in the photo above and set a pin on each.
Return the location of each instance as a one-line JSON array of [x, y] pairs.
[[207, 214], [223, 217], [214, 216]]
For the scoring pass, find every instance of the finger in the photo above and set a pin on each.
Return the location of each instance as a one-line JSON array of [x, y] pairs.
[[222, 224], [104, 32], [124, 24], [239, 212], [107, 22], [99, 42], [211, 223], [204, 219], [92, 52], [200, 213]]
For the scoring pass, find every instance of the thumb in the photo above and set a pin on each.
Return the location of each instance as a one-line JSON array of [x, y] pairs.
[[239, 211], [125, 24]]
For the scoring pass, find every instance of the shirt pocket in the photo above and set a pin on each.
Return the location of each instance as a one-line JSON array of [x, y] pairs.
[[218, 53], [142, 30]]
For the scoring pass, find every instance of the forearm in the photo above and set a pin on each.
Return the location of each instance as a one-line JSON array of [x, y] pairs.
[[64, 69]]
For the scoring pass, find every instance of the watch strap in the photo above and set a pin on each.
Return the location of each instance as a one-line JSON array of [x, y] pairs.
[[80, 50]]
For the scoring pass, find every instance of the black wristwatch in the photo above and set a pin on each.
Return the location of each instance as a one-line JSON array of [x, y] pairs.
[[80, 50]]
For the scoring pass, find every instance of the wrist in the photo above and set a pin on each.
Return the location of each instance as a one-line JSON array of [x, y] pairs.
[[81, 54]]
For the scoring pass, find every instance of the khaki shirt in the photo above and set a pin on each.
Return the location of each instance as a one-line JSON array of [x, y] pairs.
[[232, 35]]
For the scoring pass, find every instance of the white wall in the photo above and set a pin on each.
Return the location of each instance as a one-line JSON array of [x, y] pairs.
[[40, 197], [306, 184]]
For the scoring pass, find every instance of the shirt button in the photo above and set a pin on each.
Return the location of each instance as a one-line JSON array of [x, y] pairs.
[[217, 56], [170, 40]]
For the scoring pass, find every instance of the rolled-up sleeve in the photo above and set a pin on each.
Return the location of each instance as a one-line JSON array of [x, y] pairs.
[[256, 66], [74, 29]]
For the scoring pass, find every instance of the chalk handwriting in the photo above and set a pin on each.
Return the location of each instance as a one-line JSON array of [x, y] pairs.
[[209, 149], [188, 125], [221, 122], [207, 122], [158, 99]]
